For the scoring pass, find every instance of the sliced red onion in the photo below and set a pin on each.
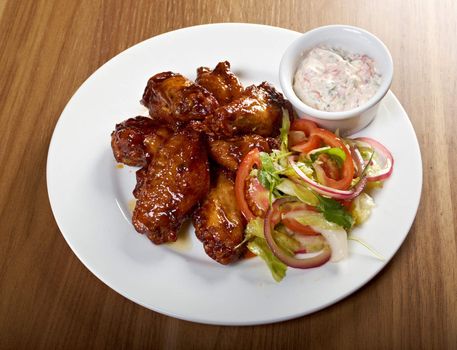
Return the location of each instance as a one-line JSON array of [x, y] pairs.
[[358, 159], [338, 241], [272, 218], [384, 152], [325, 190]]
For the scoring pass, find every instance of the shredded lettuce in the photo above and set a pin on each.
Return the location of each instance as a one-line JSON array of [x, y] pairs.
[[259, 247], [275, 163], [254, 228], [361, 208], [372, 185], [284, 132], [267, 174], [316, 220], [285, 242], [366, 245], [303, 193], [292, 174]]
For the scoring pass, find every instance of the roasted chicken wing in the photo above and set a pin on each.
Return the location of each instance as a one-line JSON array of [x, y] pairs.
[[257, 111], [136, 140], [218, 223], [175, 100], [173, 184], [221, 82], [229, 152]]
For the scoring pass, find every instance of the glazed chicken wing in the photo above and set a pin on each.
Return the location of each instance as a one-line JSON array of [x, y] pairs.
[[136, 140], [175, 100], [171, 187], [257, 111], [218, 223], [221, 82], [229, 152]]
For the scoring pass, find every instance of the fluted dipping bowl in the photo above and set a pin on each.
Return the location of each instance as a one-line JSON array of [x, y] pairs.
[[348, 38]]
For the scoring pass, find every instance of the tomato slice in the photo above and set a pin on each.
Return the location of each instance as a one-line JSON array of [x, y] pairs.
[[288, 212], [306, 126], [326, 168], [293, 225], [296, 137], [257, 197], [347, 171], [250, 159]]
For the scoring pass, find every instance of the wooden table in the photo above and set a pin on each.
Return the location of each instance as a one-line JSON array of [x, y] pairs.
[[48, 299]]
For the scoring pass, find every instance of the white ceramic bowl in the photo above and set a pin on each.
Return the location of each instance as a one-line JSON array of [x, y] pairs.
[[348, 38]]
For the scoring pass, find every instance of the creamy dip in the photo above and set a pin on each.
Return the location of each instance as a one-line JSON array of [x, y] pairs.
[[334, 80]]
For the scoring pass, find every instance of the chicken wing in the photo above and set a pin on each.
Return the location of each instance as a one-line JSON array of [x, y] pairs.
[[229, 152], [218, 223], [257, 111], [175, 100], [172, 186], [136, 140], [221, 82]]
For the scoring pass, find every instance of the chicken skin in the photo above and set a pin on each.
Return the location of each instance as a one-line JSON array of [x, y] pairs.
[[229, 152], [175, 100], [174, 183], [218, 223], [221, 82], [136, 140], [257, 111], [141, 175]]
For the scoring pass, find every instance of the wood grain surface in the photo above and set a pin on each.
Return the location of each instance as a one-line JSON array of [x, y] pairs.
[[48, 299]]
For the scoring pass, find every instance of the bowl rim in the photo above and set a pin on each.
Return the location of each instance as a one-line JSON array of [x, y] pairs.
[[287, 88]]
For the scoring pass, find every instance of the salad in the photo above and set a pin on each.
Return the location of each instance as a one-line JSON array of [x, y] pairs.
[[301, 201]]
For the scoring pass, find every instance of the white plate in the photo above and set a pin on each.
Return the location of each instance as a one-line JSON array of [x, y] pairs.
[[90, 197]]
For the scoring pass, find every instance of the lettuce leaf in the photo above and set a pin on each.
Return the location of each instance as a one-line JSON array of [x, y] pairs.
[[259, 247], [284, 131], [267, 174], [303, 193], [361, 208], [287, 243], [317, 220], [254, 228]]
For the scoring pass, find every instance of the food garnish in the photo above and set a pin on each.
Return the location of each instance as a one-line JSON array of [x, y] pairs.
[[317, 193]]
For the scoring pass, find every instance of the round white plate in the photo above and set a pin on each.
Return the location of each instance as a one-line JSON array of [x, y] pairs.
[[91, 198]]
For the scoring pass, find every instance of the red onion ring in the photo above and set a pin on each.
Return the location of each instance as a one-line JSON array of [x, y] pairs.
[[383, 151], [272, 218], [358, 158], [328, 191]]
